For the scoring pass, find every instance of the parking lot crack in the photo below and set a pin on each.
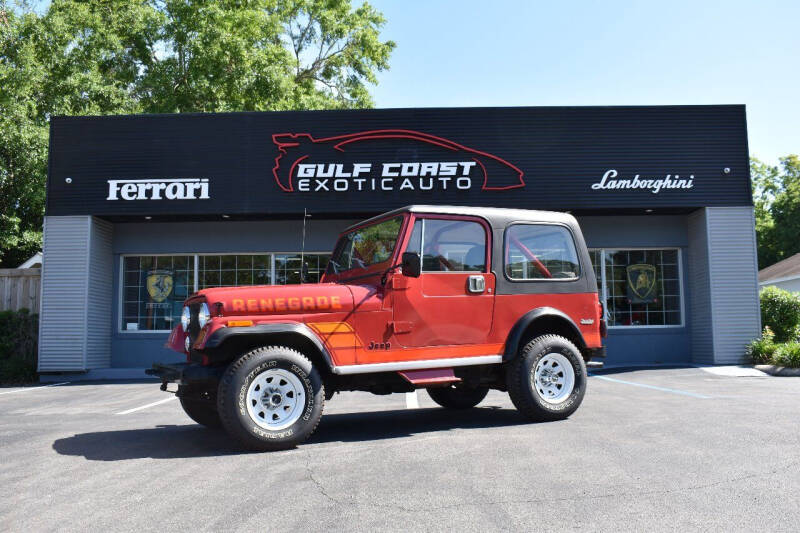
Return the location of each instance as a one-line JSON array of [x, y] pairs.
[[317, 483]]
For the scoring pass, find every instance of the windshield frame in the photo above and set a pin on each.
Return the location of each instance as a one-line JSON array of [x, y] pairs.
[[375, 268]]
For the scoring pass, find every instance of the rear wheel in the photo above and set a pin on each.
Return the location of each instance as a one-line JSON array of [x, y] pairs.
[[547, 380], [204, 412], [458, 396], [271, 398]]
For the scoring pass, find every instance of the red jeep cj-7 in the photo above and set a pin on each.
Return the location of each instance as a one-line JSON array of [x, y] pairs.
[[456, 300]]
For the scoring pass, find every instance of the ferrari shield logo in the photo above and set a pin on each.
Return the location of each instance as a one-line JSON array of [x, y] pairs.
[[641, 283], [159, 284]]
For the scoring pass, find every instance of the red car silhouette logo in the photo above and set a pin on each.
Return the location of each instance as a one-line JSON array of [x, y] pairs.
[[387, 146]]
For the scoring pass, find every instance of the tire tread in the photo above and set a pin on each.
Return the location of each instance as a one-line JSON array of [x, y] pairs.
[[517, 377], [231, 425]]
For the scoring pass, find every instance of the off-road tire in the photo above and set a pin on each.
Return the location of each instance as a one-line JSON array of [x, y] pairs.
[[520, 373], [232, 398], [204, 412], [458, 396]]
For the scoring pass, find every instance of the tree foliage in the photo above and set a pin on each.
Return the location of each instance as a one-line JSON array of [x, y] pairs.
[[776, 196], [164, 56]]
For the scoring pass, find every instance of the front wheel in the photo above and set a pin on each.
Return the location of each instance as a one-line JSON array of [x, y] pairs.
[[271, 398], [458, 396], [547, 380]]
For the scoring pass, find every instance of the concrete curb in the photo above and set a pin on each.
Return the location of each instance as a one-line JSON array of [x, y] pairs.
[[783, 371]]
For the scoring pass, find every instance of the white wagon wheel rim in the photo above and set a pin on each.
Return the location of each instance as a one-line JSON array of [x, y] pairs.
[[553, 378], [275, 399]]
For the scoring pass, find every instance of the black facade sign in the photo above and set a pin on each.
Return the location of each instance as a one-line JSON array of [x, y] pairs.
[[368, 161]]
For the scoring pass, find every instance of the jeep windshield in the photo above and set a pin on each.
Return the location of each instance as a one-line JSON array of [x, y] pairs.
[[366, 246]]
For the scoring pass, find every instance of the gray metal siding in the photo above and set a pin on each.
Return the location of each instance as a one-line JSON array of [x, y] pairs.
[[62, 333], [702, 332], [99, 295], [733, 281]]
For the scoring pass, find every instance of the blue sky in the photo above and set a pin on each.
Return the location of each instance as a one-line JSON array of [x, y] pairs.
[[580, 52], [516, 53]]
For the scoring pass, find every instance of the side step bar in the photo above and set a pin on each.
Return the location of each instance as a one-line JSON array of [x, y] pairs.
[[427, 378]]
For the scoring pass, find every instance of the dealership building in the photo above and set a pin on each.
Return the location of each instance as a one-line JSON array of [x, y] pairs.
[[144, 210]]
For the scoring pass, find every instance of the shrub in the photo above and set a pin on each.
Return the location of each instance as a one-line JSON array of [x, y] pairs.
[[762, 350], [780, 310], [18, 345], [17, 370], [787, 354]]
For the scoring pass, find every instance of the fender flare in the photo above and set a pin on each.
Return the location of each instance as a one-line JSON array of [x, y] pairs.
[[518, 330], [220, 336]]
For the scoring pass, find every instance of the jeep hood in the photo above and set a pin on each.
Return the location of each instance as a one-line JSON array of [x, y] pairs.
[[280, 299]]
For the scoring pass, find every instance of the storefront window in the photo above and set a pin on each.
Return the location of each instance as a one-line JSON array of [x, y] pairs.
[[639, 287], [287, 268], [153, 290], [154, 287], [597, 262], [234, 270]]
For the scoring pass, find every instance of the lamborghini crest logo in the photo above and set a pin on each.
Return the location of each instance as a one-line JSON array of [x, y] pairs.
[[641, 283], [159, 284]]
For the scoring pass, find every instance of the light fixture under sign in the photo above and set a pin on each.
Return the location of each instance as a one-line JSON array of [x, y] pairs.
[[148, 218]]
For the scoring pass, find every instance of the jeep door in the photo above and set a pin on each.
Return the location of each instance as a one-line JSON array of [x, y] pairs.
[[452, 302]]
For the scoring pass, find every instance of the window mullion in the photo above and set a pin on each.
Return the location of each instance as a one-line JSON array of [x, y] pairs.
[[604, 288], [196, 271]]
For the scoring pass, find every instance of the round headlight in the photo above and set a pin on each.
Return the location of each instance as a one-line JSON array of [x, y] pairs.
[[186, 317], [203, 316], [187, 343]]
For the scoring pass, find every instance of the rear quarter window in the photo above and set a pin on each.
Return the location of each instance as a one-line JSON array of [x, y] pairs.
[[540, 252]]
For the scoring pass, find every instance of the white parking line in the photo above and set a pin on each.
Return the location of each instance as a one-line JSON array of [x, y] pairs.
[[26, 389], [412, 401], [159, 402], [653, 387]]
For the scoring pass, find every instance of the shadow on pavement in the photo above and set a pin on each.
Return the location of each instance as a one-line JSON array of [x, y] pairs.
[[380, 425], [160, 442], [174, 442]]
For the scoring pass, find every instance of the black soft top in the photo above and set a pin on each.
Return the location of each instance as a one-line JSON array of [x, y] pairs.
[[496, 216], [498, 220]]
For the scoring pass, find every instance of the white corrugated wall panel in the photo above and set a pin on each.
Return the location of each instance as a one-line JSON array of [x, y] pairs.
[[733, 281], [100, 287], [62, 330], [701, 328]]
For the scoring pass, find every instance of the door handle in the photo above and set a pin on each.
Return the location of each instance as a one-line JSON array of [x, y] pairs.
[[476, 284]]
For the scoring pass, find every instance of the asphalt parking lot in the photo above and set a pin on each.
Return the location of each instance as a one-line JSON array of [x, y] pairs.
[[649, 449]]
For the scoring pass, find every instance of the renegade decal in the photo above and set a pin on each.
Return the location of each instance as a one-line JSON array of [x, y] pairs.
[[386, 160], [336, 334], [269, 305]]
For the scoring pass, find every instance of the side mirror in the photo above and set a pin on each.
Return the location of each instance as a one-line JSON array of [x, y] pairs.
[[412, 264]]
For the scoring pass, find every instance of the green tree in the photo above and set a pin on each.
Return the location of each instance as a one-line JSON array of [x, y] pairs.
[[162, 56], [776, 198]]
